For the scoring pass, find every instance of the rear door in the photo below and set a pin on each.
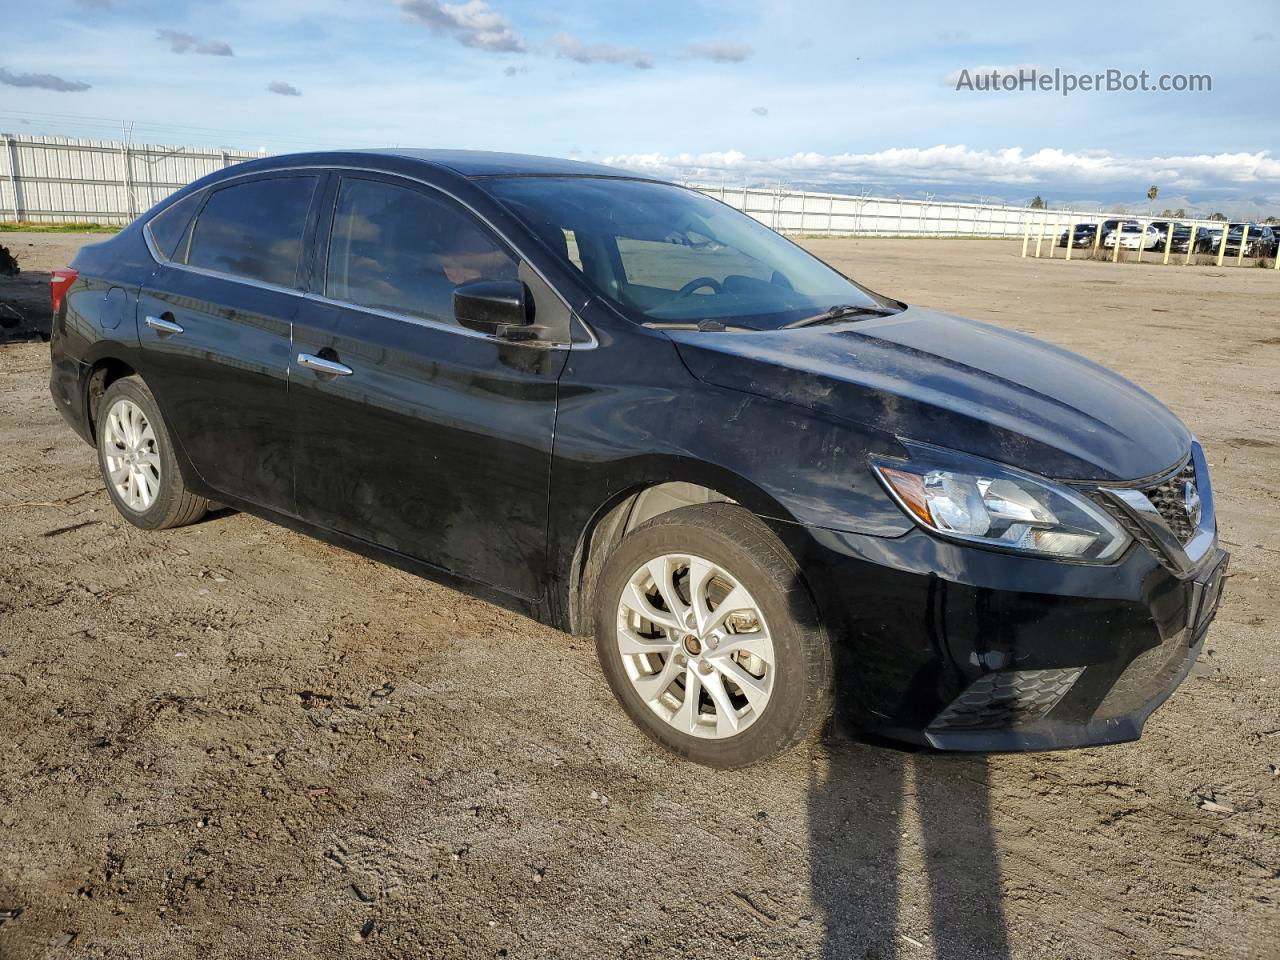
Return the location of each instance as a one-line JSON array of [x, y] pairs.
[[427, 438], [214, 324]]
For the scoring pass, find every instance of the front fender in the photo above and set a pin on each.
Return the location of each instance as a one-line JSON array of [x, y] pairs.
[[631, 415]]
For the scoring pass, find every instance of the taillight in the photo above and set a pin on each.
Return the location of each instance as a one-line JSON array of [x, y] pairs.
[[59, 284]]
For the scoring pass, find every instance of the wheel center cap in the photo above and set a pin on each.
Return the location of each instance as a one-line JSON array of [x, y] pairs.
[[692, 646]]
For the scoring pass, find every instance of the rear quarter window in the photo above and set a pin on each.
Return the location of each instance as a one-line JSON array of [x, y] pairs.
[[169, 226], [254, 230]]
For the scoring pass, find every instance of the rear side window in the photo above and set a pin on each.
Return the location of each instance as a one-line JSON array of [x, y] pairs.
[[399, 250], [170, 225], [254, 230]]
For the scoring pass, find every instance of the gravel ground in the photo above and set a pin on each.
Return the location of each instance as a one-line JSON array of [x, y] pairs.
[[234, 741]]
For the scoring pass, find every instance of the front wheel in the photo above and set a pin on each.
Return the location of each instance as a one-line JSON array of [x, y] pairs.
[[710, 639]]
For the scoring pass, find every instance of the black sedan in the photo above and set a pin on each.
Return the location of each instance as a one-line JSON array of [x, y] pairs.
[[1258, 241], [629, 410], [1082, 235]]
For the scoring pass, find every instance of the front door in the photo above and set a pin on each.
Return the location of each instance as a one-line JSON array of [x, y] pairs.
[[214, 325], [413, 432]]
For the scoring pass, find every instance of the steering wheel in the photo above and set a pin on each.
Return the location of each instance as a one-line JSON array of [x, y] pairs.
[[697, 284]]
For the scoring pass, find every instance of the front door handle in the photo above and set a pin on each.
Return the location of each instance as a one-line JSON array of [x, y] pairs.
[[162, 326], [322, 366]]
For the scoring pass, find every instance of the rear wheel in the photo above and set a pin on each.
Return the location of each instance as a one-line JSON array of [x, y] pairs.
[[135, 455], [709, 638]]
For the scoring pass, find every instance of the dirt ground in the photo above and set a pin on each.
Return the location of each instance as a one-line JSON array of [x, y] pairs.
[[230, 740]]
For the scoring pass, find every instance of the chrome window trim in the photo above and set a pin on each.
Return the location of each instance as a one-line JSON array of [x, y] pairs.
[[438, 324], [591, 344]]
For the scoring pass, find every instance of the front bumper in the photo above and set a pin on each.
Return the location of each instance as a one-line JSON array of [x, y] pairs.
[[961, 648]]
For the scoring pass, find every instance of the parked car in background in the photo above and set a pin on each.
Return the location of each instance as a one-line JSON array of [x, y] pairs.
[[1162, 228], [1182, 236], [1109, 227], [1208, 238], [1081, 236], [1134, 236], [630, 411], [1260, 241]]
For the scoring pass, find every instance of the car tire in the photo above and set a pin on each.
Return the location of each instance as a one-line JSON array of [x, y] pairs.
[[136, 458], [772, 645]]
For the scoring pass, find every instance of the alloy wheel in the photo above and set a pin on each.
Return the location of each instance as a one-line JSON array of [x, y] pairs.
[[131, 454], [695, 646]]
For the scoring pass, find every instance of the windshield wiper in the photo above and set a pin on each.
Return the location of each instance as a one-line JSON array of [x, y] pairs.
[[702, 326], [839, 312]]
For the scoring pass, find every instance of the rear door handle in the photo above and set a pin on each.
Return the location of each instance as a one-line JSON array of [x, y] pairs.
[[162, 326], [321, 365]]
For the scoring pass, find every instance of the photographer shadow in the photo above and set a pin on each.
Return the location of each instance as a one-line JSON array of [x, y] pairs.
[[879, 889]]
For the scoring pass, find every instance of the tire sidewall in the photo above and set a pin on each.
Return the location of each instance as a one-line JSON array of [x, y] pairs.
[[157, 514], [787, 610]]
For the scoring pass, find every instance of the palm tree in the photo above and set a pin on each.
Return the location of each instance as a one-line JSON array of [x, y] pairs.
[[1151, 197]]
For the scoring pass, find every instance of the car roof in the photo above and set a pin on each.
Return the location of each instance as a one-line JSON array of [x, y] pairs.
[[483, 163]]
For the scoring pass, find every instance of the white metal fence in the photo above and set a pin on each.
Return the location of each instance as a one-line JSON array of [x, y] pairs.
[[56, 179], [792, 211], [60, 180]]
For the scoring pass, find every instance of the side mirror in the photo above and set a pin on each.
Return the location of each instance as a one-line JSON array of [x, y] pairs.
[[498, 307]]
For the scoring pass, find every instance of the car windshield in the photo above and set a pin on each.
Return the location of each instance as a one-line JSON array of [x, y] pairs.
[[668, 254]]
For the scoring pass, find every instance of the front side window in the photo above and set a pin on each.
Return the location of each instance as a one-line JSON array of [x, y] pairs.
[[669, 254], [396, 249], [254, 230]]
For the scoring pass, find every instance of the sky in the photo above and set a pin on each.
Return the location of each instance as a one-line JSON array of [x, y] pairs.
[[849, 97]]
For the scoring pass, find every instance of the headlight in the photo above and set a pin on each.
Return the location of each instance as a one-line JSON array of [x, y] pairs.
[[975, 500]]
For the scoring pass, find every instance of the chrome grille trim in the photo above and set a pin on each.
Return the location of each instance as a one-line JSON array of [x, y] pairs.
[[1156, 515]]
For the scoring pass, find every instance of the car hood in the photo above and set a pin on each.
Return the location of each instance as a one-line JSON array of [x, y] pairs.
[[957, 383]]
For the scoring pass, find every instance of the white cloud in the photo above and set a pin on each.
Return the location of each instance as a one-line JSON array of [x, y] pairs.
[[42, 81], [945, 164], [760, 111], [472, 24], [720, 52], [571, 48], [284, 89], [180, 42]]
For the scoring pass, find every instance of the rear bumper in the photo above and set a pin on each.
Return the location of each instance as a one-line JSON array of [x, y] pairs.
[[959, 648], [68, 385]]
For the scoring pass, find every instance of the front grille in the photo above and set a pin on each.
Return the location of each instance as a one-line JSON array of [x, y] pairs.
[[1007, 698], [1169, 499]]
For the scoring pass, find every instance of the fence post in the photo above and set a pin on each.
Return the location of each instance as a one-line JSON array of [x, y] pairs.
[[1191, 243], [1222, 247], [1097, 238], [1026, 237], [1244, 238], [1115, 254], [1168, 243], [1142, 237], [128, 179], [11, 148], [1040, 238], [1071, 237], [1053, 233]]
